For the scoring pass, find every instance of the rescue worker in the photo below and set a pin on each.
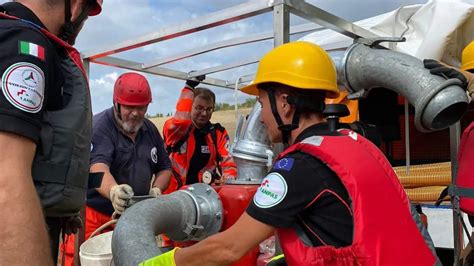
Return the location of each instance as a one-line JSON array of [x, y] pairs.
[[327, 191], [197, 147], [129, 150], [465, 177], [43, 84]]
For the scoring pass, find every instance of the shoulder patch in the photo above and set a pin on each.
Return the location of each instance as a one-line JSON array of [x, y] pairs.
[[29, 48], [284, 164], [271, 192], [23, 86]]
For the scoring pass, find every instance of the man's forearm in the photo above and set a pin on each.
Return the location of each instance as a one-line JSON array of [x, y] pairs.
[[162, 180], [24, 239], [108, 181], [23, 235], [216, 253]]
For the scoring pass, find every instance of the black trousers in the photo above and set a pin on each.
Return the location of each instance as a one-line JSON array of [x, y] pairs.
[[55, 225]]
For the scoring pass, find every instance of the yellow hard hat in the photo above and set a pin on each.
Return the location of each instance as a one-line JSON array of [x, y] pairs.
[[302, 65], [467, 58]]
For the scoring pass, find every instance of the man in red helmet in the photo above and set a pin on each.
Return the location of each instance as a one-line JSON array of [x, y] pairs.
[[45, 126], [129, 150]]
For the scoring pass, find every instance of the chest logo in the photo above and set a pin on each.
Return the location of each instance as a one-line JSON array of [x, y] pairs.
[[227, 144], [23, 86], [154, 155], [271, 192], [205, 149]]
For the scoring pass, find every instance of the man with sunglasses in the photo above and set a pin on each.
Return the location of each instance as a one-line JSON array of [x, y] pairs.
[[198, 149]]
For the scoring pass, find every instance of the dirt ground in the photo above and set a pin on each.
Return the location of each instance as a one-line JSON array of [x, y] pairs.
[[227, 119]]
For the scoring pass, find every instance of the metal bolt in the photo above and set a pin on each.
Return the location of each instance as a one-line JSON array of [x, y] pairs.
[[218, 216], [208, 190], [191, 189]]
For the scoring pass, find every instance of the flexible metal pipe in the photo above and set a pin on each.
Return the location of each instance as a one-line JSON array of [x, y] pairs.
[[190, 214], [438, 102]]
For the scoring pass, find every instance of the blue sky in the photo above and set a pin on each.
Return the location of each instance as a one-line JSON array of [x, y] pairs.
[[122, 20]]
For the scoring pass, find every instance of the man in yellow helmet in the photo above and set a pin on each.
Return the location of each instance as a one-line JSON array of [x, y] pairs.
[[465, 175], [323, 197]]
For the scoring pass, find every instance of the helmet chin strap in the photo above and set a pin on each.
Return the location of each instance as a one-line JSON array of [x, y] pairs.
[[68, 30], [284, 128], [117, 109]]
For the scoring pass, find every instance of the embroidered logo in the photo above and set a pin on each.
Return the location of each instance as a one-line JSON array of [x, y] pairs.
[[154, 155], [271, 192], [23, 86], [205, 149]]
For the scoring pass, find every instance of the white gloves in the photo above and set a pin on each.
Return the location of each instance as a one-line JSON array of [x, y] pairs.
[[155, 191], [119, 196]]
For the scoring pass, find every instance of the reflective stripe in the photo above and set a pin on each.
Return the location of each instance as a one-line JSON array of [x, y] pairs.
[[181, 115], [178, 168]]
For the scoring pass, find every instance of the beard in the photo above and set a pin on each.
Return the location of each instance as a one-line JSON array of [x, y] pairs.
[[126, 126], [129, 128]]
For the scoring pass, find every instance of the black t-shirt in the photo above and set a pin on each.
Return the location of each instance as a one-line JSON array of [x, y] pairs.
[[303, 193], [200, 157], [31, 81]]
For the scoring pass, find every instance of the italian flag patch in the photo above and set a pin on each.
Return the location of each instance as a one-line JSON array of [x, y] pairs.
[[30, 48]]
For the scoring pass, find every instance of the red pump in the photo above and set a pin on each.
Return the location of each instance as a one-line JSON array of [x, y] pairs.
[[235, 199]]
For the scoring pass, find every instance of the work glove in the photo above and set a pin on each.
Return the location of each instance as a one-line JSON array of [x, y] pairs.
[[72, 225], [165, 259], [192, 83], [155, 191], [443, 70], [120, 195]]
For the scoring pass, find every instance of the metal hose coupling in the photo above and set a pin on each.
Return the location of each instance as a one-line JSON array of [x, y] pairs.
[[192, 213], [251, 149], [438, 103]]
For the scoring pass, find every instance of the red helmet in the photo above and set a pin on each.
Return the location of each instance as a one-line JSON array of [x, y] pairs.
[[96, 7], [132, 89]]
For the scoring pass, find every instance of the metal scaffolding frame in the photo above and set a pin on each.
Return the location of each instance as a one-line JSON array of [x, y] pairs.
[[281, 10]]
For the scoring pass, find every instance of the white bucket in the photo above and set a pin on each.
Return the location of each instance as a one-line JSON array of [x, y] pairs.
[[97, 251]]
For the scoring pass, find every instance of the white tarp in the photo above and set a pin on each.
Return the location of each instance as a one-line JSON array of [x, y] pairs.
[[439, 29]]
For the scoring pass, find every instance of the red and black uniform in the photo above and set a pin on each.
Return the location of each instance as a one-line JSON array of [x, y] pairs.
[[351, 230], [328, 216], [42, 83], [12, 32]]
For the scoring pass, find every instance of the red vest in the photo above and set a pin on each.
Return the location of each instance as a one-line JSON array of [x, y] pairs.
[[384, 230], [465, 177]]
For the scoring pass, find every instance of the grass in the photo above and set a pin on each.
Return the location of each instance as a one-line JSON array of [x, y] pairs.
[[227, 119]]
